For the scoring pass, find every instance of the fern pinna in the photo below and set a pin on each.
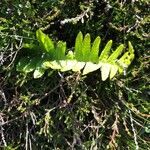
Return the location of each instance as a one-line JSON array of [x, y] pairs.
[[85, 58]]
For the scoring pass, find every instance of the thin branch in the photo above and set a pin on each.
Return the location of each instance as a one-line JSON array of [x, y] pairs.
[[27, 136], [134, 131], [76, 19], [2, 94], [2, 133], [17, 36], [14, 57]]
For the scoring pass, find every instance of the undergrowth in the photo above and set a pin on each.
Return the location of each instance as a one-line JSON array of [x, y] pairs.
[[66, 110]]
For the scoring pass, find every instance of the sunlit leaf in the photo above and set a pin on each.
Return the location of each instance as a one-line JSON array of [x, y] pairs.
[[70, 55], [85, 58], [52, 64], [78, 46], [105, 70], [131, 50], [86, 47], [116, 53], [113, 71], [45, 42], [95, 50], [78, 66], [38, 72], [90, 67], [105, 53], [60, 50], [67, 65]]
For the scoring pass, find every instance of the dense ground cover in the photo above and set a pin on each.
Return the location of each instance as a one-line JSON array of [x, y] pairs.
[[67, 110]]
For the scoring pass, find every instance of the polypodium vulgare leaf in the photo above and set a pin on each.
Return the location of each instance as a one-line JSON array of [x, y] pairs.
[[84, 59]]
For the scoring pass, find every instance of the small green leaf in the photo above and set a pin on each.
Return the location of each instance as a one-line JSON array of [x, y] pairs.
[[131, 57], [105, 53], [30, 46], [95, 50], [38, 72], [116, 53], [121, 62], [78, 46], [125, 56], [113, 71], [131, 50], [105, 70], [67, 65], [52, 64], [60, 50], [86, 47], [125, 61], [78, 66], [70, 55], [31, 65], [22, 63], [90, 67], [2, 28], [45, 42]]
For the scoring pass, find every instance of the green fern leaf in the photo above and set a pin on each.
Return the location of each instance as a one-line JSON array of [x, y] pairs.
[[45, 42], [67, 65], [125, 61], [131, 50], [105, 53], [78, 66], [85, 58], [60, 50], [86, 47], [116, 53], [31, 65], [55, 64], [78, 46], [70, 55], [95, 50], [22, 63], [39, 71], [90, 67], [113, 71], [105, 70]]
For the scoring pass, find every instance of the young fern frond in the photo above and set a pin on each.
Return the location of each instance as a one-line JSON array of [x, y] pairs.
[[84, 59]]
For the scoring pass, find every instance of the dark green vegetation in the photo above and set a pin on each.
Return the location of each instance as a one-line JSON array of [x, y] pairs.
[[68, 110]]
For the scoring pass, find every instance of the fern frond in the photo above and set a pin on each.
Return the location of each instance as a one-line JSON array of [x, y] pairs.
[[84, 59]]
